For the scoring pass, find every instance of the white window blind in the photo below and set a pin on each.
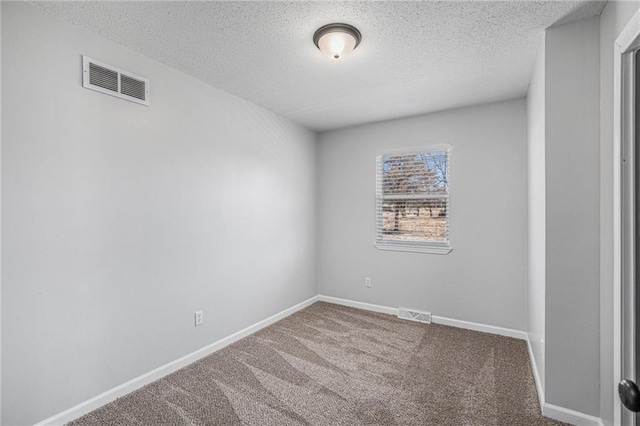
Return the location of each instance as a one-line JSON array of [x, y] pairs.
[[412, 200]]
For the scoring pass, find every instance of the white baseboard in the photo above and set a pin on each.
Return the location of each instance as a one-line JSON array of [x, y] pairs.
[[569, 416], [536, 373], [548, 410], [484, 328], [359, 305], [436, 319], [140, 381]]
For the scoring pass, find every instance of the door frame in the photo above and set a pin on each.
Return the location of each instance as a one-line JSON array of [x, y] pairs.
[[623, 213]]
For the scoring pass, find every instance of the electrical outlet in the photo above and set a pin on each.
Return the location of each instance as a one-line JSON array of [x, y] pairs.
[[367, 282], [199, 316]]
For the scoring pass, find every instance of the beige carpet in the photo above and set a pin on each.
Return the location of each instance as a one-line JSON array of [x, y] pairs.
[[333, 365]]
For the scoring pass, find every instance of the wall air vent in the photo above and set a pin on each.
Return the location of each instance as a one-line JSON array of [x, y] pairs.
[[113, 81], [414, 315]]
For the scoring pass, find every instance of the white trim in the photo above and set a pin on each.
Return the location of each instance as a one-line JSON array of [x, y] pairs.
[[570, 416], [435, 319], [536, 373], [359, 305], [617, 237], [548, 410], [475, 326], [416, 248], [153, 375], [622, 45], [630, 33]]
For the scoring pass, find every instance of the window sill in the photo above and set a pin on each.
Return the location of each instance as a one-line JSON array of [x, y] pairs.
[[443, 249]]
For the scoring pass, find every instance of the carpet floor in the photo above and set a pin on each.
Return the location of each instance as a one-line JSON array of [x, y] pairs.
[[334, 365]]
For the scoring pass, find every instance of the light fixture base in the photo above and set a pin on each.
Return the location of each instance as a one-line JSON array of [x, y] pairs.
[[340, 28], [337, 27]]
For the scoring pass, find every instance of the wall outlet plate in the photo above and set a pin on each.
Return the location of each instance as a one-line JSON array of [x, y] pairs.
[[199, 318]]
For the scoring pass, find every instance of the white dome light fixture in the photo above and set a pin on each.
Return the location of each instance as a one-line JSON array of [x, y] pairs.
[[337, 41]]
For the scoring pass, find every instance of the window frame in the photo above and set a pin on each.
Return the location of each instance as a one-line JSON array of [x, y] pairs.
[[433, 247]]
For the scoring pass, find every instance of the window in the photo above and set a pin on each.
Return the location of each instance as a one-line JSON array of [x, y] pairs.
[[412, 200]]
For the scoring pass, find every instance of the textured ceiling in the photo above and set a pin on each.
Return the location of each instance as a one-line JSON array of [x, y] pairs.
[[415, 57]]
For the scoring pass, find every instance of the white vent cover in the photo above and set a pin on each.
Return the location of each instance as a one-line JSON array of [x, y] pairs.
[[113, 81], [414, 315]]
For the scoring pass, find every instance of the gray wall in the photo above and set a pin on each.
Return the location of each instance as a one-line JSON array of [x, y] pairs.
[[613, 19], [119, 220], [484, 278], [536, 210], [572, 156]]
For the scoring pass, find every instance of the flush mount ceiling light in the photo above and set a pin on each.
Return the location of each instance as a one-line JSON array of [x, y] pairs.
[[337, 41]]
